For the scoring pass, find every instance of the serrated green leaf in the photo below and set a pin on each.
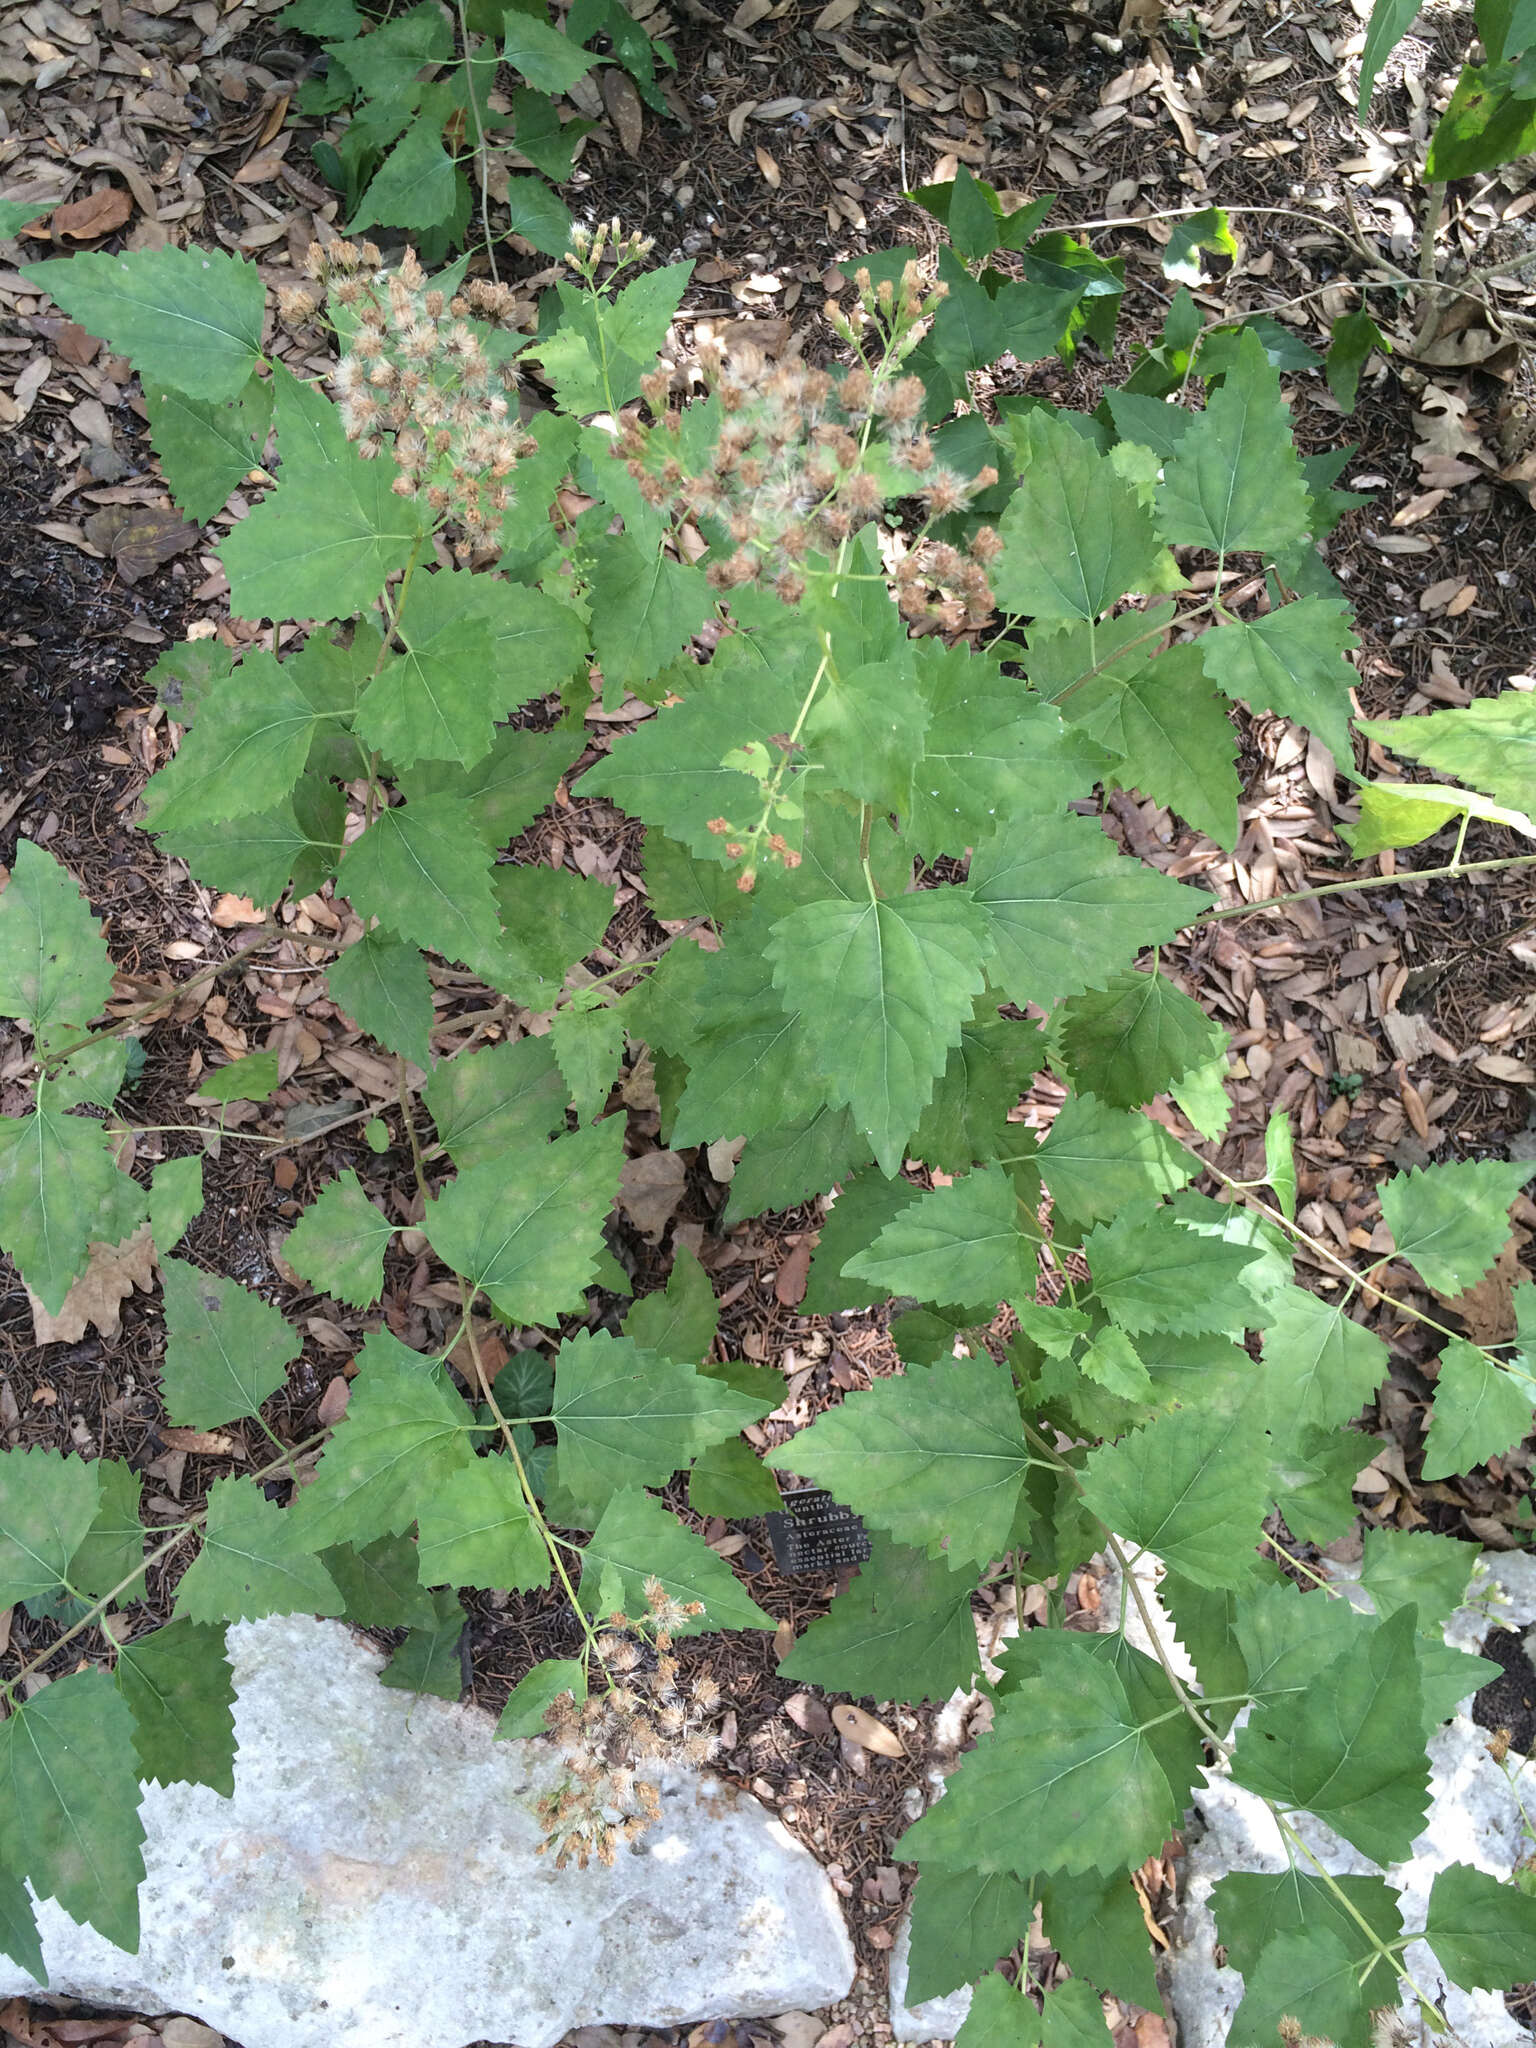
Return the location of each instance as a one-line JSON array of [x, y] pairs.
[[1280, 1162], [1406, 813], [1481, 1411], [207, 448], [679, 1322], [254, 1561], [1234, 483], [1313, 1478], [47, 1505], [1065, 1781], [338, 1243], [434, 701], [1001, 2015], [523, 1715], [113, 1546], [794, 1161], [323, 544], [379, 1582], [1135, 1037], [1481, 1928], [404, 1433], [757, 1066], [383, 986], [60, 1192], [588, 1045], [418, 184], [1067, 909], [1403, 1568], [69, 1802], [1112, 1361], [1351, 340], [1076, 536], [19, 1938], [1290, 661], [421, 870], [190, 318], [1191, 1486], [958, 1244], [1452, 1221], [54, 968], [729, 1480], [1489, 744], [553, 919], [638, 1539], [429, 1659], [889, 984], [855, 1218], [645, 610], [1151, 1273], [1096, 1926], [901, 1631], [631, 1418], [935, 1457], [1208, 229], [984, 1078], [1309, 1976], [868, 727], [1288, 1637], [252, 1078], [498, 1103], [1178, 742], [475, 1530], [244, 754], [1325, 1366], [531, 1240], [546, 58], [962, 1921], [1257, 1909], [1096, 1159], [181, 1693], [506, 789], [226, 1349], [262, 855], [1355, 1757]]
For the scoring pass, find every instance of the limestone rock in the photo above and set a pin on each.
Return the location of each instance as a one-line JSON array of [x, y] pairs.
[[373, 1883], [936, 2019]]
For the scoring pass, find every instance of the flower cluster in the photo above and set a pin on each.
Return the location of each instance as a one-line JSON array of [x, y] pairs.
[[590, 245], [804, 457], [417, 372], [649, 1713]]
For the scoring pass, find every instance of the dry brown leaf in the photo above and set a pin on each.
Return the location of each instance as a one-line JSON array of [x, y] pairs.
[[767, 166], [97, 1296], [1487, 1311], [736, 120], [199, 1443], [333, 1402], [139, 538], [624, 110], [99, 213], [1141, 17], [750, 13], [834, 15], [790, 1280], [854, 1725], [650, 1188]]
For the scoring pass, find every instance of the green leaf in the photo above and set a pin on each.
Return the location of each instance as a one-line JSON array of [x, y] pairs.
[[1452, 1221], [901, 1631], [729, 1480], [935, 1457], [553, 919], [493, 1104], [507, 788], [1067, 909], [207, 448], [338, 1243], [645, 610], [546, 58], [1000, 2016], [631, 1418], [1280, 1162], [1257, 1909], [296, 843], [383, 986], [404, 1433], [379, 1582], [1135, 1037], [1310, 1974], [54, 968], [1400, 814], [1481, 1411], [1208, 229], [1234, 484], [1410, 1569], [1481, 1928], [19, 1938], [1351, 340], [523, 1715], [181, 1693], [757, 1067], [1390, 21], [680, 1322], [16, 214], [962, 1921], [475, 1530], [1096, 1159], [1355, 1758], [1076, 536], [588, 1045], [421, 870], [959, 1244], [1313, 1478], [60, 1192], [1290, 661], [1096, 1926], [69, 1802], [249, 1079], [47, 1505], [1065, 1781], [968, 208], [1178, 741], [417, 185], [244, 754], [1489, 744], [532, 1239], [1324, 1365], [429, 1661], [1490, 121], [175, 1197], [1151, 1273], [113, 1547], [636, 1540], [1191, 1486], [983, 1080], [323, 544], [254, 1561], [435, 700], [793, 1161], [869, 724], [226, 1349], [889, 984], [190, 318]]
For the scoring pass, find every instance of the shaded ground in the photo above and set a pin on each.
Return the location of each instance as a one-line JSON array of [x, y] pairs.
[[1395, 1024]]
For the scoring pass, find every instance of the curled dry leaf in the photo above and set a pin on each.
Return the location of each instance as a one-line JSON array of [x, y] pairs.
[[96, 1298], [139, 538], [87, 220], [854, 1725], [768, 167], [623, 105], [650, 1189]]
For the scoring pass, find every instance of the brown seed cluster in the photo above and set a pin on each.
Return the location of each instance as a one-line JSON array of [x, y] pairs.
[[416, 379], [803, 457], [649, 1712]]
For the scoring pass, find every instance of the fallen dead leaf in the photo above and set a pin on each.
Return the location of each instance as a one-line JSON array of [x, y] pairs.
[[1487, 1311], [97, 1297], [138, 538], [87, 220], [183, 2033], [624, 111], [854, 1725], [768, 167], [333, 1402], [790, 1280], [199, 1443], [650, 1189]]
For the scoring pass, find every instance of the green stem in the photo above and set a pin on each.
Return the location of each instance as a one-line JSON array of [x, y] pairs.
[[1471, 867]]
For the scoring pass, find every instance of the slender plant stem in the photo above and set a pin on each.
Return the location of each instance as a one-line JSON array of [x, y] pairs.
[[1466, 867]]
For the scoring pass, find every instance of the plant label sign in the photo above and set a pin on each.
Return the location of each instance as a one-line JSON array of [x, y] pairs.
[[815, 1533]]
